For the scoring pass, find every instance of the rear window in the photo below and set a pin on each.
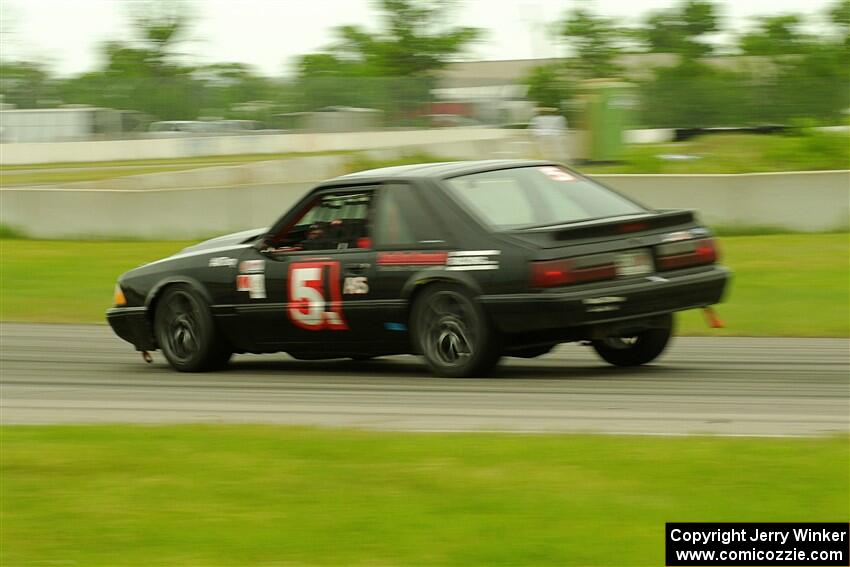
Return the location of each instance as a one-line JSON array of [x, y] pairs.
[[537, 196]]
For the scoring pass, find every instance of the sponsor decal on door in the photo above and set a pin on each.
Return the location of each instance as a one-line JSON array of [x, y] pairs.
[[355, 285], [254, 284]]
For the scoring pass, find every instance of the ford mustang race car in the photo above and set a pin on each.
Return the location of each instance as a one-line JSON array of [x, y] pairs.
[[460, 262]]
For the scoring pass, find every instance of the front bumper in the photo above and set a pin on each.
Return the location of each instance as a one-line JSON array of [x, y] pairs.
[[608, 302], [132, 325]]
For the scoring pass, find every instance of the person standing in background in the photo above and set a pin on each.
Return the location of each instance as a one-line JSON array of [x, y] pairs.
[[548, 130]]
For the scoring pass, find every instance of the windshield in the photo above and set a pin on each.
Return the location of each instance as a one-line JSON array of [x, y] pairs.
[[535, 196]]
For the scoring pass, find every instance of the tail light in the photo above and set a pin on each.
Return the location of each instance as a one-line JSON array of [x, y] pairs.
[[687, 253], [553, 273]]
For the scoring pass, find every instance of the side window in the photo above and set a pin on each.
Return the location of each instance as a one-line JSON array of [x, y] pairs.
[[336, 221], [401, 218]]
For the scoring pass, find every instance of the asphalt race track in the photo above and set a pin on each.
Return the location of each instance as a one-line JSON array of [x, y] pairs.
[[728, 386]]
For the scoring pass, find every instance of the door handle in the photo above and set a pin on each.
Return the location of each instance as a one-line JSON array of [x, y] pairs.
[[357, 268]]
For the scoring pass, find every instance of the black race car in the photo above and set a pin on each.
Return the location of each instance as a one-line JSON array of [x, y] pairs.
[[461, 262]]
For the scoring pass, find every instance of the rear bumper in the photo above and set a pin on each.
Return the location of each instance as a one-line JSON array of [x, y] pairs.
[[608, 302], [132, 325]]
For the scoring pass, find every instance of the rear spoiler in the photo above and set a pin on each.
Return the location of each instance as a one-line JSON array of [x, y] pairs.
[[600, 228]]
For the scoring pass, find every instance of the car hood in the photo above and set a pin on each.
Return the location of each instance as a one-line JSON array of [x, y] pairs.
[[242, 237]]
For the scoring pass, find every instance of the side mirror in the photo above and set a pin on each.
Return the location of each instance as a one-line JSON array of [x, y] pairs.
[[262, 242]]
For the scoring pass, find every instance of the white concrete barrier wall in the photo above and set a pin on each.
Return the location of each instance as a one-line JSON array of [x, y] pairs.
[[160, 213], [806, 201]]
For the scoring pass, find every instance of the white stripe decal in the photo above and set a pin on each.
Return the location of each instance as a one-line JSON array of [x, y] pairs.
[[472, 260], [475, 253], [474, 267]]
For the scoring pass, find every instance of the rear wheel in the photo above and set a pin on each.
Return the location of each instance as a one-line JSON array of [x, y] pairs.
[[186, 332], [637, 349], [451, 331]]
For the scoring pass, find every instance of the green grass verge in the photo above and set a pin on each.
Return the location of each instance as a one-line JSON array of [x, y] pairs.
[[56, 281], [74, 175], [784, 285], [40, 174], [360, 162], [196, 160], [10, 233], [737, 153], [761, 230], [266, 495], [792, 284]]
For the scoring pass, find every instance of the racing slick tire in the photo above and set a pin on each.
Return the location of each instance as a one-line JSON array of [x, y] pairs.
[[186, 332], [451, 330], [639, 349]]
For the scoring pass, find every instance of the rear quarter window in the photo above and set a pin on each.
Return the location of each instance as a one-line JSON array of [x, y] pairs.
[[402, 219]]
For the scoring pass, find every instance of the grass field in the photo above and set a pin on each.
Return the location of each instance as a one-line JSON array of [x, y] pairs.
[[69, 172], [195, 160], [73, 175], [52, 281], [265, 495], [786, 285], [794, 285], [737, 153], [732, 153]]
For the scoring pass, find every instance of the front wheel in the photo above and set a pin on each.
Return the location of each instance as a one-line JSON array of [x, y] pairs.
[[450, 329], [186, 332], [638, 349]]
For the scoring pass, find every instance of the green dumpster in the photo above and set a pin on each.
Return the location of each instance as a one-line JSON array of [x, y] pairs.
[[608, 105]]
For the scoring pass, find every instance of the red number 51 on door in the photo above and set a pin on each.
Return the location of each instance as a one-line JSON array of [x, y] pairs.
[[307, 305]]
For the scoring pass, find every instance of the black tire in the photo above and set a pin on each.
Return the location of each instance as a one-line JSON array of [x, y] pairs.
[[450, 329], [186, 332], [636, 350]]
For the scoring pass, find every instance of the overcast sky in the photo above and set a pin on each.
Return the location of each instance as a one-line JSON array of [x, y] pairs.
[[269, 34]]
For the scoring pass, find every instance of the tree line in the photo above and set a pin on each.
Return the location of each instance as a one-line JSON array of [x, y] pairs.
[[776, 71]]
